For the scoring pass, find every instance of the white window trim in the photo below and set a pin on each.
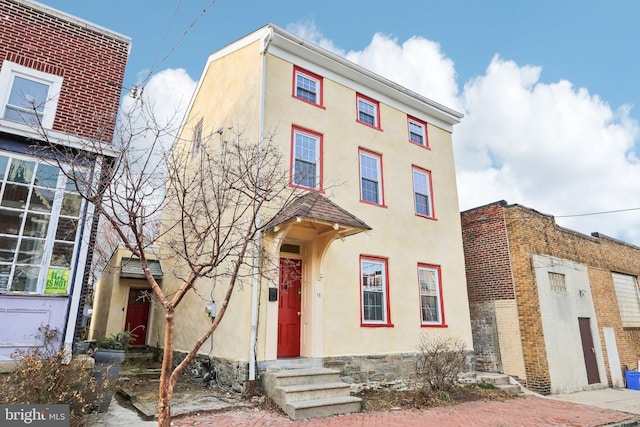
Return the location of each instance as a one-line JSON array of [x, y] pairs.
[[49, 240], [318, 162], [423, 134], [385, 287], [438, 290], [299, 72], [376, 112], [378, 160], [11, 69], [427, 176]]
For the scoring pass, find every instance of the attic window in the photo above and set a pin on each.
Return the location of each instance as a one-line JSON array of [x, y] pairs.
[[289, 248]]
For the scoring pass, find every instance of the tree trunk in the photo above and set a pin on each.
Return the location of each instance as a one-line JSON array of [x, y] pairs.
[[165, 390]]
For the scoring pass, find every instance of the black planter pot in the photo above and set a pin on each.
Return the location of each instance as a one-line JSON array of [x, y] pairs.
[[106, 371]]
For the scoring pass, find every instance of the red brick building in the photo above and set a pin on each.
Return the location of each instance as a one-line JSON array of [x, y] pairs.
[[60, 76], [554, 307]]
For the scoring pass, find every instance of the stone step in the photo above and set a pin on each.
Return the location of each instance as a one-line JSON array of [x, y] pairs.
[[302, 376], [495, 379], [294, 393], [318, 408], [512, 389]]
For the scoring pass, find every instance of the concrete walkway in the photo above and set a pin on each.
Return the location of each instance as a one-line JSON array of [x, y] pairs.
[[618, 399]]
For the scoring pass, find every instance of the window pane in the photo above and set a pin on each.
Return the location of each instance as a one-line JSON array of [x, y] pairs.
[[71, 204], [41, 200], [21, 171], [7, 248], [30, 251], [306, 160], [36, 225], [422, 204], [5, 271], [366, 112], [11, 221], [416, 132], [67, 228], [62, 254], [370, 191], [3, 166], [28, 94], [429, 308], [305, 174], [25, 279], [306, 88], [47, 176], [373, 288], [15, 196]]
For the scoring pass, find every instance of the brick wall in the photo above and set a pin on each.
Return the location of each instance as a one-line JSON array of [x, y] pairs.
[[533, 233], [90, 62]]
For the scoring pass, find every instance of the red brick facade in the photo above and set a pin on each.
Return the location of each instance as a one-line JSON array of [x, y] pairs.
[[91, 63], [499, 241]]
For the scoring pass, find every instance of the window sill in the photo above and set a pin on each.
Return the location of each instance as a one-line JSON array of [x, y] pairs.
[[439, 325], [302, 187], [433, 218], [377, 325], [369, 126], [373, 204], [425, 146], [322, 107]]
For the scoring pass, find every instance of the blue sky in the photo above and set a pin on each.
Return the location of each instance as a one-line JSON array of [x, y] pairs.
[[549, 89]]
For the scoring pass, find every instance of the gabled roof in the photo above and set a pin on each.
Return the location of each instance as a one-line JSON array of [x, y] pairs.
[[131, 268], [314, 206]]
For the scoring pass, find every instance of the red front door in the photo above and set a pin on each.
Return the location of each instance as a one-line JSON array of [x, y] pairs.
[[289, 303], [138, 315]]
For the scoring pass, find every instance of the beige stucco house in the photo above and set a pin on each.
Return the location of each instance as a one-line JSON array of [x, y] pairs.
[[374, 235]]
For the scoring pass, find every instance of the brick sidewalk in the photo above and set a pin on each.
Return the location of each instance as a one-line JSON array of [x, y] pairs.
[[522, 412]]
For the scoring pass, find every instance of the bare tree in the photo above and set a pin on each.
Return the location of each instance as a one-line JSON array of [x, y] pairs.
[[209, 201]]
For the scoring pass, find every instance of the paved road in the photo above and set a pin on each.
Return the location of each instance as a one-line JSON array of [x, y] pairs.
[[522, 412]]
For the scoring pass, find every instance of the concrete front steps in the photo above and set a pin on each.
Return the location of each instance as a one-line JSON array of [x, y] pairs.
[[501, 381], [310, 393]]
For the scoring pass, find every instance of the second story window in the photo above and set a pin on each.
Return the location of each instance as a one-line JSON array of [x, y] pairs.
[[371, 178], [307, 86], [418, 132], [422, 192], [30, 96], [306, 159], [368, 111]]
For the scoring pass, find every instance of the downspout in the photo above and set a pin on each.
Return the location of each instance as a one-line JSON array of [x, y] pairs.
[[256, 243]]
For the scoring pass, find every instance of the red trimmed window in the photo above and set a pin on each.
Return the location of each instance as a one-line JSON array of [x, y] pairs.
[[374, 292], [430, 288], [418, 132], [371, 182], [368, 111], [307, 86], [306, 159], [422, 192]]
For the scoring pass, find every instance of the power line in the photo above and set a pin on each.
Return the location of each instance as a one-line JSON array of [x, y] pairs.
[[596, 213], [175, 46]]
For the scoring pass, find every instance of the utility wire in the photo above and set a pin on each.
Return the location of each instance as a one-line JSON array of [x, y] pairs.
[[182, 37], [596, 213]]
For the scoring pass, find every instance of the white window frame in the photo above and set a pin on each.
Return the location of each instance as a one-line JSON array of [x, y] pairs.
[[374, 105], [317, 160], [628, 297], [7, 75], [378, 178], [384, 291], [298, 72], [424, 291], [426, 175], [422, 134], [50, 239]]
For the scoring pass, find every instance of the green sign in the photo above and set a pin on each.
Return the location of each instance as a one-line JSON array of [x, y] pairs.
[[57, 281]]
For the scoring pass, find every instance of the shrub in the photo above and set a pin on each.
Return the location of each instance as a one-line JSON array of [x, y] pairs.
[[440, 360], [43, 376]]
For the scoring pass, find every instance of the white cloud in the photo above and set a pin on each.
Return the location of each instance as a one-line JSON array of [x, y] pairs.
[[548, 146]]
